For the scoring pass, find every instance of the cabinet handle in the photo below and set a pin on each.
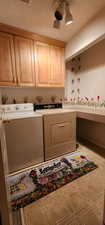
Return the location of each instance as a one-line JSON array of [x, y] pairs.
[[60, 126], [6, 121]]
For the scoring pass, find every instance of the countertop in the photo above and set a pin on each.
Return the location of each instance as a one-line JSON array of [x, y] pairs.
[[55, 111], [67, 108], [85, 109], [93, 114]]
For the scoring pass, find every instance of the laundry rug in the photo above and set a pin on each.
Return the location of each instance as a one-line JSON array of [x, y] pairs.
[[29, 186]]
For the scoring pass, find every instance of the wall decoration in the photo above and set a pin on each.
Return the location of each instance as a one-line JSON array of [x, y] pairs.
[[72, 91], [4, 99], [53, 98], [78, 90], [73, 81], [75, 65], [39, 99], [14, 100], [25, 99], [78, 79]]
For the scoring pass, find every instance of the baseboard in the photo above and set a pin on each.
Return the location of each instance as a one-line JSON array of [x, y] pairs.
[[90, 140]]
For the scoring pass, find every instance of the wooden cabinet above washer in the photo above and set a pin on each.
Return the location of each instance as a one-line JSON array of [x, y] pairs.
[[7, 60], [50, 66], [25, 61]]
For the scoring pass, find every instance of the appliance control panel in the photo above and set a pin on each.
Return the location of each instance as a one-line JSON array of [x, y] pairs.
[[47, 106], [12, 108]]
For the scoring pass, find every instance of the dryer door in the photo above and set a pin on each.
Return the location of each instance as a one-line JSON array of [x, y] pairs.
[[24, 140]]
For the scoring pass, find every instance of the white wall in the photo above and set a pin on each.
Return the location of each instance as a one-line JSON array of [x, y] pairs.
[[92, 84], [31, 93], [92, 74], [69, 86], [93, 32]]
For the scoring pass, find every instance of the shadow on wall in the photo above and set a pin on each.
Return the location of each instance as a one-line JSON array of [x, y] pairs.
[[90, 59], [90, 80], [94, 57]]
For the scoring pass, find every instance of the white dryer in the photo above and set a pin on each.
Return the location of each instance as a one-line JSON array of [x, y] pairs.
[[24, 136]]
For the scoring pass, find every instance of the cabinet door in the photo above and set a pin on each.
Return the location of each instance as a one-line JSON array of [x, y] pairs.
[[57, 67], [59, 134], [7, 60], [43, 64], [25, 66]]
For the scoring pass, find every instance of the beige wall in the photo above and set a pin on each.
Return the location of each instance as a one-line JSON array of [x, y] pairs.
[[92, 84], [31, 93], [92, 74], [93, 32]]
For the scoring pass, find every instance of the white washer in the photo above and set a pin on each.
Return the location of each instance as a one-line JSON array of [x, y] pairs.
[[24, 135]]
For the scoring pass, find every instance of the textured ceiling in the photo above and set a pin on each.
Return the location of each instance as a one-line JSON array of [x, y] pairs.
[[38, 16]]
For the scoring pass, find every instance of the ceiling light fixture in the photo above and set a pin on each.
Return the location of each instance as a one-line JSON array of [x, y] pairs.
[[56, 24], [63, 9], [59, 12], [68, 16]]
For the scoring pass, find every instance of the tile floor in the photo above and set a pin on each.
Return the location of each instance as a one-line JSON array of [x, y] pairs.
[[77, 203]]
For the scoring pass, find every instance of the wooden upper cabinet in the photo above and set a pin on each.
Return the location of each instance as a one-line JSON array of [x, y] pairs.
[[43, 64], [7, 60], [57, 75], [50, 66], [25, 61]]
